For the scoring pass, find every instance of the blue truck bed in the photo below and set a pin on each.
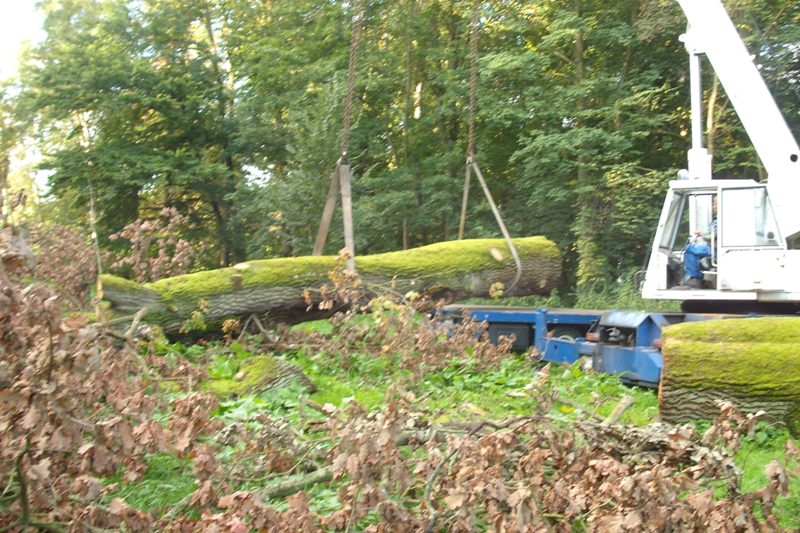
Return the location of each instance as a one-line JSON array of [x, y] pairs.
[[626, 343]]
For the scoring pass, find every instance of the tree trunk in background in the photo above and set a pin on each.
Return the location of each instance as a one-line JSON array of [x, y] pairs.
[[590, 260], [4, 166], [276, 287], [408, 113], [711, 123], [222, 233]]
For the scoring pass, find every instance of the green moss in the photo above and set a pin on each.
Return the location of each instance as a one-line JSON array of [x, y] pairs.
[[291, 271], [110, 282], [739, 330], [458, 257], [755, 369], [454, 257], [169, 386], [258, 371]]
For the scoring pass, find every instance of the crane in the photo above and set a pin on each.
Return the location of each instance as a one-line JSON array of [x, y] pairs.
[[743, 249]]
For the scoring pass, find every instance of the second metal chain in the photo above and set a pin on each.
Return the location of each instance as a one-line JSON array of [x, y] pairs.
[[358, 17], [473, 77]]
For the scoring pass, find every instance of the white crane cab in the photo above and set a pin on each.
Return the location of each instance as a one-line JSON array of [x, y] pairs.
[[740, 254], [730, 245]]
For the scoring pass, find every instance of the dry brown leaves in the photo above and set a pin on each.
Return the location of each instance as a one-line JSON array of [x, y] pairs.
[[528, 474], [77, 406], [157, 248], [66, 262]]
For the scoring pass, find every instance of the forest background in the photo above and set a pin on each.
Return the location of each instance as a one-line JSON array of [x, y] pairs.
[[230, 111]]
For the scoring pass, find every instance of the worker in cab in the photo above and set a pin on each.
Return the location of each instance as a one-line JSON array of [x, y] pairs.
[[699, 253], [711, 235], [697, 250]]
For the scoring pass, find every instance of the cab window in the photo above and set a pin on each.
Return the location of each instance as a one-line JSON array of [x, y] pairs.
[[748, 219]]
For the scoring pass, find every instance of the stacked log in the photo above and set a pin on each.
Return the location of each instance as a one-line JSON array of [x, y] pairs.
[[752, 362]]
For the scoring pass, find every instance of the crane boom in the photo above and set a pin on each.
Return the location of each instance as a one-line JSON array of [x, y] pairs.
[[711, 32], [730, 244]]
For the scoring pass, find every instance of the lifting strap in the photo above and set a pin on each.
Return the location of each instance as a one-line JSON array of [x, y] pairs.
[[340, 180], [472, 166]]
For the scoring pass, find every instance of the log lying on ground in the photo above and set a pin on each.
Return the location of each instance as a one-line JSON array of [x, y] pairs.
[[752, 362], [458, 269]]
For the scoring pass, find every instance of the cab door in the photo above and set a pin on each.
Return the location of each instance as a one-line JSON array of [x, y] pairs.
[[751, 255]]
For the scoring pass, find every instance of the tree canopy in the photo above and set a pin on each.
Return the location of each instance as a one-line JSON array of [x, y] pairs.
[[230, 111]]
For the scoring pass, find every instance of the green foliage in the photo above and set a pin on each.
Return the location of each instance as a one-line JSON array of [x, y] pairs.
[[231, 112], [622, 293], [134, 107], [197, 318], [279, 402], [354, 375], [167, 480], [766, 445]]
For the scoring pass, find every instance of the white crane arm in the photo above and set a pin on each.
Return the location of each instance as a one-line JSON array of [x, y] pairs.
[[711, 32]]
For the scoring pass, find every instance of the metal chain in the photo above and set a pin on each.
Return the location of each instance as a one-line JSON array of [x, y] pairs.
[[473, 78], [358, 18], [473, 97], [471, 165]]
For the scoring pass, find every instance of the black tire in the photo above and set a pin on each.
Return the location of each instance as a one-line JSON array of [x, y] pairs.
[[566, 333]]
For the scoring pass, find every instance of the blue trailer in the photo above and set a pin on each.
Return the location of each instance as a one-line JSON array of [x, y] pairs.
[[627, 343]]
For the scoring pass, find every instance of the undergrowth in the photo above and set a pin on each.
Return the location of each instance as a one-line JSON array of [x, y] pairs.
[[408, 428]]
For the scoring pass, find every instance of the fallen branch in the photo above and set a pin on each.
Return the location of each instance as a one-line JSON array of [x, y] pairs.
[[325, 474], [25, 519], [290, 486], [137, 318], [619, 410], [434, 513]]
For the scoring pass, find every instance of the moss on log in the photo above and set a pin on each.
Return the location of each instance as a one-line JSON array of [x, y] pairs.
[[275, 286], [258, 374], [752, 362]]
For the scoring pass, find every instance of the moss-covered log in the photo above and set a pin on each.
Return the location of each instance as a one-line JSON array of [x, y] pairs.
[[276, 286], [752, 362]]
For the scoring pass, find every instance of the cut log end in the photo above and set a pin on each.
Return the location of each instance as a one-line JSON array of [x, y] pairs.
[[752, 363]]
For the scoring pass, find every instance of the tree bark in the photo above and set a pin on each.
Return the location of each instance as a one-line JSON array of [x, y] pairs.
[[277, 287], [591, 264], [750, 362]]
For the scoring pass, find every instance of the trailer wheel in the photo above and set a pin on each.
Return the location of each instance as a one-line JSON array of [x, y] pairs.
[[565, 333]]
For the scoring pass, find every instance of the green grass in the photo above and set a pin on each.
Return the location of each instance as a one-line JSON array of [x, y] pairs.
[[600, 394], [167, 480], [766, 445], [460, 391]]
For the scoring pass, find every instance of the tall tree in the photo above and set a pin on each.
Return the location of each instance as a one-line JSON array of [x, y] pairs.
[[133, 106]]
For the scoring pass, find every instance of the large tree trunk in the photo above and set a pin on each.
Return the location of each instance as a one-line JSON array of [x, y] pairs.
[[276, 287], [752, 362]]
